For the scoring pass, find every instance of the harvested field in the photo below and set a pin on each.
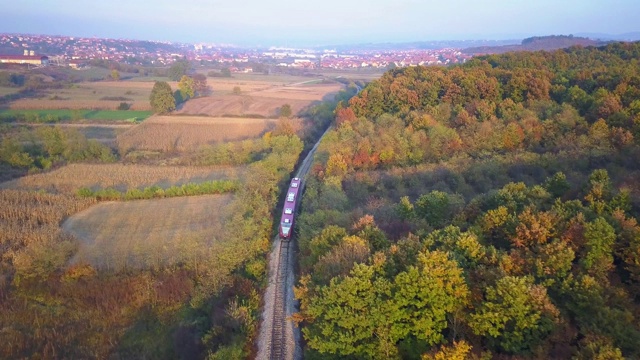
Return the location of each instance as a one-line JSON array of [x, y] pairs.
[[264, 101], [28, 104], [252, 82], [88, 95], [302, 91], [4, 91], [185, 133], [70, 178], [239, 105], [149, 233]]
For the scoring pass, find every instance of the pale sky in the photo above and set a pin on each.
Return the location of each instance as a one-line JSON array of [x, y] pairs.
[[320, 22]]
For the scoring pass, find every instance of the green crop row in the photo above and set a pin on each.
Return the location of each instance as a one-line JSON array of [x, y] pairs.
[[58, 115], [154, 192]]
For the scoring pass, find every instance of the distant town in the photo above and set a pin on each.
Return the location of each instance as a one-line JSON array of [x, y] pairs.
[[78, 52]]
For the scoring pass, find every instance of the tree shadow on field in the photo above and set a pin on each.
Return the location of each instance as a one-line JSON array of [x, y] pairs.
[[90, 114], [22, 94]]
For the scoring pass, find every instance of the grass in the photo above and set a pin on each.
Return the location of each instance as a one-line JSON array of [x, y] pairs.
[[70, 178], [150, 233], [67, 114]]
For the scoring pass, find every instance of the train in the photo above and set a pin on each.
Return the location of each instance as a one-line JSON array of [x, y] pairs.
[[289, 209]]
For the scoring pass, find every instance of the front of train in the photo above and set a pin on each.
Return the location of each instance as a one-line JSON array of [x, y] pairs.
[[285, 229]]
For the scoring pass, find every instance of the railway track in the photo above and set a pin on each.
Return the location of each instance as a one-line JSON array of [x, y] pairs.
[[278, 337], [278, 348]]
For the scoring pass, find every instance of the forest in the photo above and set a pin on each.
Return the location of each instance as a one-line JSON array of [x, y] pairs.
[[486, 210]]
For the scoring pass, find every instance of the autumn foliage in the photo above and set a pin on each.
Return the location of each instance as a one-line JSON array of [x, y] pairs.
[[507, 187]]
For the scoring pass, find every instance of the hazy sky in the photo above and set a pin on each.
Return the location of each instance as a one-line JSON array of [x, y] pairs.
[[298, 22]]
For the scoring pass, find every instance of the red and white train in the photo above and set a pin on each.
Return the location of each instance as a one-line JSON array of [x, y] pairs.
[[289, 209]]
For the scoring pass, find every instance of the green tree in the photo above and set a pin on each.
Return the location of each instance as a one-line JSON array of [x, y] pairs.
[[366, 315], [186, 87], [322, 244], [351, 317], [599, 190], [285, 111], [557, 185], [178, 69], [600, 237], [161, 98], [587, 299], [405, 209], [426, 295], [12, 153], [225, 72], [438, 207], [115, 75], [517, 314]]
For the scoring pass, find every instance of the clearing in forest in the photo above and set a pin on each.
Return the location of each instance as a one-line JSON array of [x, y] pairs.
[[150, 233]]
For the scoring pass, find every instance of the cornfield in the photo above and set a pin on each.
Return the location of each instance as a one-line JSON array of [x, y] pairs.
[[70, 178], [30, 223]]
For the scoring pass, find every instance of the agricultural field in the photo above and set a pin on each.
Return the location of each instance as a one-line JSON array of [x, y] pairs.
[[54, 115], [4, 91], [184, 133], [365, 75], [92, 257], [70, 178], [105, 133], [259, 99], [253, 82], [101, 95], [149, 233]]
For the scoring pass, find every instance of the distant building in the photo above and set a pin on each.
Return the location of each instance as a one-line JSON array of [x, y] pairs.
[[29, 57], [77, 63]]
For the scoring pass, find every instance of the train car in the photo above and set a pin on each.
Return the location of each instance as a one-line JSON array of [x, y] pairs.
[[289, 209]]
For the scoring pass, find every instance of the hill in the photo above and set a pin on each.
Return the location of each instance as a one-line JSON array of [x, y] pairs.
[[491, 210], [630, 36], [536, 43]]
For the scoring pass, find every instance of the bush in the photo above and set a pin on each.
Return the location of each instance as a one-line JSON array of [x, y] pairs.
[[151, 192]]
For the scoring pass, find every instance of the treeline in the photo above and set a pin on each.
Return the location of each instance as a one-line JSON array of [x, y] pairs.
[[248, 151], [45, 146], [35, 118], [11, 79], [156, 192], [478, 211]]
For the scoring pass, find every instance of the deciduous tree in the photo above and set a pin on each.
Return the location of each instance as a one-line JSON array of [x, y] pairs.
[[186, 87], [516, 313], [161, 98]]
